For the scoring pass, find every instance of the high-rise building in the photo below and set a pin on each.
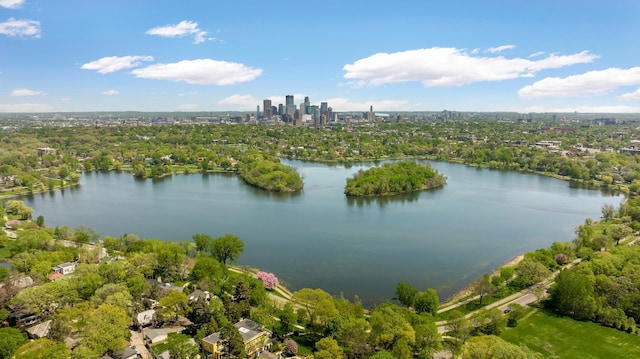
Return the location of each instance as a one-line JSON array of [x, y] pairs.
[[307, 103], [323, 108], [289, 100], [258, 111], [290, 107], [266, 104]]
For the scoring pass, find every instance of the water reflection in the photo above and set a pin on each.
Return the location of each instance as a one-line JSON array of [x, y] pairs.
[[383, 201]]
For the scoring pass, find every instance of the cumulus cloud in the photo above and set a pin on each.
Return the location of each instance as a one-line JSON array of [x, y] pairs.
[[181, 29], [111, 92], [631, 96], [20, 28], [442, 67], [110, 64], [495, 50], [11, 4], [25, 92], [340, 104], [200, 71], [25, 107], [587, 84], [239, 101]]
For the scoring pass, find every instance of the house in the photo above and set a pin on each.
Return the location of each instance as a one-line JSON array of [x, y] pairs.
[[199, 295], [65, 268], [154, 336], [128, 353], [145, 318], [256, 340], [40, 330]]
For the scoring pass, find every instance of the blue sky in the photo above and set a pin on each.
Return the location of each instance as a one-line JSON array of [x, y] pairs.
[[404, 55]]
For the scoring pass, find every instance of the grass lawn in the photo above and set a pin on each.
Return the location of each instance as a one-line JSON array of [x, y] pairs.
[[4, 253], [562, 337]]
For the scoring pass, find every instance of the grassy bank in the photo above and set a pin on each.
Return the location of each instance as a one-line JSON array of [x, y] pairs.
[[561, 337]]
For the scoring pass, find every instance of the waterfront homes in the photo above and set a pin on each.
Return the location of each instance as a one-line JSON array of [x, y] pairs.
[[256, 340]]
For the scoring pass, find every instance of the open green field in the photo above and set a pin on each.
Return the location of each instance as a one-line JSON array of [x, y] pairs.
[[562, 337]]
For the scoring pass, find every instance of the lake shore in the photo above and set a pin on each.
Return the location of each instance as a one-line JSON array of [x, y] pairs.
[[467, 291]]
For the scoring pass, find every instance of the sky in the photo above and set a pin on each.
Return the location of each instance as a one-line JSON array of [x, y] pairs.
[[404, 55]]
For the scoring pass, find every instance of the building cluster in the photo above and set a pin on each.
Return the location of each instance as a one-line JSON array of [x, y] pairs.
[[289, 113]]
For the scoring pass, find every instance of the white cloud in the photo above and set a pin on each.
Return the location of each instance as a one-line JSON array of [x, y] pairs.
[[631, 96], [495, 50], [25, 92], [581, 109], [441, 67], [20, 28], [25, 107], [111, 92], [239, 102], [341, 104], [182, 29], [201, 72], [110, 64], [589, 83], [11, 4], [537, 54]]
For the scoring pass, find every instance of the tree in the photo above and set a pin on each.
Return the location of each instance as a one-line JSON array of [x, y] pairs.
[[291, 348], [19, 209], [180, 347], [310, 299], [106, 329], [10, 340], [43, 348], [328, 348], [406, 294], [203, 242], [483, 286], [269, 280], [618, 232], [427, 302], [531, 272], [490, 346], [608, 211], [353, 334], [389, 325], [287, 318], [227, 248], [174, 304], [232, 342]]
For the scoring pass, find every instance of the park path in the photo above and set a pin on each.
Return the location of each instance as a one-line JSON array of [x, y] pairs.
[[523, 297]]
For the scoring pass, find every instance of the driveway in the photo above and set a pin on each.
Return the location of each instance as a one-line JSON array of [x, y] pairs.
[[138, 341]]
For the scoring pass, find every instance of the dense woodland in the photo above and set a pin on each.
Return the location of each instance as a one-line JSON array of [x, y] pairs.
[[393, 178], [103, 294]]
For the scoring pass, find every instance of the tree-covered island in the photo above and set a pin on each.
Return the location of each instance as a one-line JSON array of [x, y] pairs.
[[269, 174], [394, 178]]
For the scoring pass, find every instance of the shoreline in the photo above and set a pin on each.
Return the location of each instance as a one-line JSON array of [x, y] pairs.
[[467, 291]]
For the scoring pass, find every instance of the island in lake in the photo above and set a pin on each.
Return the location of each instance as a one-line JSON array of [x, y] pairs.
[[394, 178]]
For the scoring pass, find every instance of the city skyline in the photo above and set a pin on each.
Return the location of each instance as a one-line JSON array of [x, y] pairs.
[[543, 56]]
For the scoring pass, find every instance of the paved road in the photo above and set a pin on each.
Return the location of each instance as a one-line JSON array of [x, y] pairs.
[[523, 297], [138, 341]]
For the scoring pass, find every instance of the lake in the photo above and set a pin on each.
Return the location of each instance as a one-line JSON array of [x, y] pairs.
[[319, 238]]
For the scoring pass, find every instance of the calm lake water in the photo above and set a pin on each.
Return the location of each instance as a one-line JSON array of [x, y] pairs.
[[320, 239]]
